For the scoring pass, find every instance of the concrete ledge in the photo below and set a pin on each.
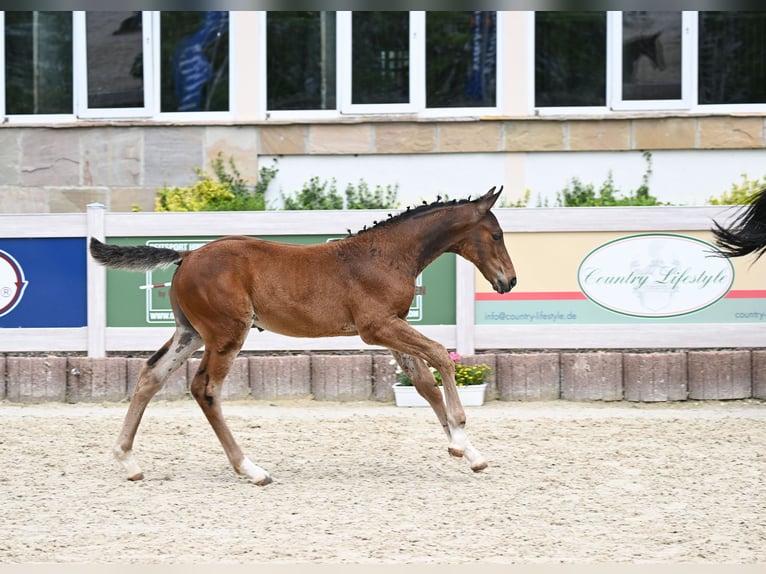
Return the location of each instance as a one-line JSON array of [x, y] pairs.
[[758, 373], [569, 375], [383, 377], [653, 377], [720, 375], [35, 379], [591, 376], [280, 377], [341, 377], [96, 380], [528, 376]]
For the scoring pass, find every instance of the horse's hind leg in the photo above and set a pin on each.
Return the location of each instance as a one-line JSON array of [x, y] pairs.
[[153, 375], [206, 389]]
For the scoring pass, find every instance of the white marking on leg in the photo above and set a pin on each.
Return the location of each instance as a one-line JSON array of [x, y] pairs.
[[128, 462], [253, 472], [474, 457], [458, 440]]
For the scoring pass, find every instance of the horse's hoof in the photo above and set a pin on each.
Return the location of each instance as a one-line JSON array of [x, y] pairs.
[[136, 477], [479, 467], [457, 453], [264, 481]]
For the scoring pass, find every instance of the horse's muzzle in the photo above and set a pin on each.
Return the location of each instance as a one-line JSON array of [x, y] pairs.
[[503, 285]]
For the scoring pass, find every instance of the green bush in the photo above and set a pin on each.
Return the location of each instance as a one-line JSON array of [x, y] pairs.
[[739, 193], [317, 194], [227, 192], [577, 194], [362, 198]]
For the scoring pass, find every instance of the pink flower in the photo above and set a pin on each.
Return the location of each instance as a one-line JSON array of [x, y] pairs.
[[454, 356]]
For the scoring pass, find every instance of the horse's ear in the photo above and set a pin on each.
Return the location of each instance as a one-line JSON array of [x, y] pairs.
[[486, 201]]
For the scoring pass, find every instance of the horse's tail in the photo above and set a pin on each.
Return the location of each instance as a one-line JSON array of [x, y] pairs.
[[134, 258], [747, 233]]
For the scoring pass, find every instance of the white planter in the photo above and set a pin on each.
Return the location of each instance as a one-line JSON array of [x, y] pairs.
[[470, 396]]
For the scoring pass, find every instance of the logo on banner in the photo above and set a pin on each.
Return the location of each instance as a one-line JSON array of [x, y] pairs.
[[12, 283], [655, 275]]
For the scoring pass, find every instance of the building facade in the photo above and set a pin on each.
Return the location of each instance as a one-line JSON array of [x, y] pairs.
[[111, 106]]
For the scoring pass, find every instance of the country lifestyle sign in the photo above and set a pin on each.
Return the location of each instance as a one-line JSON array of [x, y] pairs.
[[655, 275]]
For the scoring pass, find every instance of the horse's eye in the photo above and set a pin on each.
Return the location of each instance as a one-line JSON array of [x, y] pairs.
[[497, 236]]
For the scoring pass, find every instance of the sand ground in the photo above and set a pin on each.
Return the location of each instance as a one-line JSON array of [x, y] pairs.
[[371, 483]]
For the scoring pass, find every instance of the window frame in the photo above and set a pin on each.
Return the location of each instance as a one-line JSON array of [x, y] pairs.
[[688, 66], [416, 107], [80, 73], [157, 82], [32, 118], [689, 102]]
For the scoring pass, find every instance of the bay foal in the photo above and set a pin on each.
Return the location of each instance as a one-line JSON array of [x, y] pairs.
[[363, 284]]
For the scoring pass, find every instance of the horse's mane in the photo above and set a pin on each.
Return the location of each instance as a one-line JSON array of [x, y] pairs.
[[411, 212]]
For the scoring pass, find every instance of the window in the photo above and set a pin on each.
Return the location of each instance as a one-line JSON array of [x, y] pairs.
[[570, 59], [38, 62], [194, 61], [648, 60], [301, 61], [732, 69], [115, 59], [461, 59], [381, 62]]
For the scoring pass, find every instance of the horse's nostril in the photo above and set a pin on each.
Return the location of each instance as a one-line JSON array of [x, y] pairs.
[[513, 282]]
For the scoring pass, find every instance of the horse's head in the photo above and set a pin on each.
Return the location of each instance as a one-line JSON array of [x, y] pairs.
[[483, 245]]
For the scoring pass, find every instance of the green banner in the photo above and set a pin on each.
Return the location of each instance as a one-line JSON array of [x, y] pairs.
[[137, 299]]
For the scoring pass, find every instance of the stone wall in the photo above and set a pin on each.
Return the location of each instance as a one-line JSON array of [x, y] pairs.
[[46, 169], [658, 376]]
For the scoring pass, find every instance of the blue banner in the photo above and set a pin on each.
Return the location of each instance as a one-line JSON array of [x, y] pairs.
[[43, 283]]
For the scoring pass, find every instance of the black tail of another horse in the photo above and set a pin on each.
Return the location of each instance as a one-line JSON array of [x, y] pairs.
[[747, 233]]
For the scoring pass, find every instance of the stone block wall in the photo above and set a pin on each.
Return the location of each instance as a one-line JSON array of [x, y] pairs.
[[46, 169], [655, 376]]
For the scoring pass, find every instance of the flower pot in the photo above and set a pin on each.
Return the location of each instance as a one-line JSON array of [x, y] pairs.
[[407, 396]]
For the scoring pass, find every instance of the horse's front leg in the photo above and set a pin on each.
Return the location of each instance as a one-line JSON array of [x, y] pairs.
[[425, 383], [398, 336]]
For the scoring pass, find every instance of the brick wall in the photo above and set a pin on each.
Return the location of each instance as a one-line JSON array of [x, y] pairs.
[[657, 376]]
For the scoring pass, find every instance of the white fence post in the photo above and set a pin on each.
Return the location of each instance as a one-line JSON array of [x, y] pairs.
[[96, 284], [465, 312]]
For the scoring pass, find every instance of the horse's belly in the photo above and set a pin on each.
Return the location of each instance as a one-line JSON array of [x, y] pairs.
[[293, 328]]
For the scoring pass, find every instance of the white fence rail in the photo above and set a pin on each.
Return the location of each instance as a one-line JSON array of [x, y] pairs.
[[97, 339]]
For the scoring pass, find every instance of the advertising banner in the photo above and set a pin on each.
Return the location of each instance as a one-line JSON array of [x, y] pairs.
[[613, 278], [141, 299], [43, 282]]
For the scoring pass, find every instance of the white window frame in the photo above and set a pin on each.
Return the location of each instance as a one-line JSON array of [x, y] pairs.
[[565, 110], [31, 118], [688, 66], [157, 84], [264, 84], [417, 78], [345, 51], [80, 66]]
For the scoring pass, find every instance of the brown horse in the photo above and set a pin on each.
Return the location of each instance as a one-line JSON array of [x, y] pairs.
[[362, 284]]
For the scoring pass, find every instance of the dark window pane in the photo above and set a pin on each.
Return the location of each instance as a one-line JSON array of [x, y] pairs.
[[570, 59], [380, 58], [651, 56], [38, 62], [301, 60], [461, 62], [732, 67], [115, 60], [194, 61]]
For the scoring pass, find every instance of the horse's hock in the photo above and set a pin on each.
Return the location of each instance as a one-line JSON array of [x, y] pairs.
[[656, 376]]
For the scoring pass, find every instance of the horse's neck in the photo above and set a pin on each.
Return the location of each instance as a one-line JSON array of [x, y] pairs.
[[417, 242]]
